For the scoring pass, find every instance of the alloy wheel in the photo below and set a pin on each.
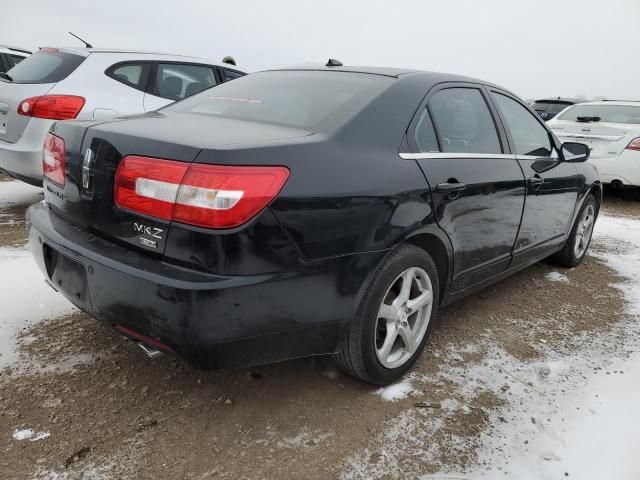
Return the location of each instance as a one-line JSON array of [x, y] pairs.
[[584, 231], [403, 317]]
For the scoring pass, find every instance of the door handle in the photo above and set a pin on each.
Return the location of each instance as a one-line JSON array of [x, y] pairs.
[[449, 187], [536, 181]]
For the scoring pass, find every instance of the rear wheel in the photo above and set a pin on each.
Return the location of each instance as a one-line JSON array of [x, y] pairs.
[[579, 240], [394, 319]]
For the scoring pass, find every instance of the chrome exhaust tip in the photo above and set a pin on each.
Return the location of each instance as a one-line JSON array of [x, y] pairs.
[[152, 352]]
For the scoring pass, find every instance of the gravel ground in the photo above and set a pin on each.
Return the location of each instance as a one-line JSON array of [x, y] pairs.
[[85, 403]]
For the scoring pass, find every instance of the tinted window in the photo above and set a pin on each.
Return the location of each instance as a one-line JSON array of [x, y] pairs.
[[529, 136], [231, 74], [16, 59], [605, 113], [45, 66], [425, 135], [313, 100], [463, 121], [551, 107], [176, 81], [132, 74]]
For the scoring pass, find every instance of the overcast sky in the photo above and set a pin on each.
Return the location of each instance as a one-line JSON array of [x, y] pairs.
[[533, 47]]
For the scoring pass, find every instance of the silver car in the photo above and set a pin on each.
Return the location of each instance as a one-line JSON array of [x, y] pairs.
[[85, 84]]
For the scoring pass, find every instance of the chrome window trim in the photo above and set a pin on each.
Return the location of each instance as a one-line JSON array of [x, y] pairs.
[[427, 155]]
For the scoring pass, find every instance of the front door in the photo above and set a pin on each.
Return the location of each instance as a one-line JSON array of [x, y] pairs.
[[552, 185], [477, 189]]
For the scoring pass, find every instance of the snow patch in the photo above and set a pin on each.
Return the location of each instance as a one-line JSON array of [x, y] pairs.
[[305, 439], [29, 434], [397, 391], [556, 277], [25, 299]]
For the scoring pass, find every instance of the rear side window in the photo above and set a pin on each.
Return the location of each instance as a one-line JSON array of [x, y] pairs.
[[311, 100], [45, 66], [231, 74], [425, 135], [175, 81], [132, 74], [463, 121], [529, 136]]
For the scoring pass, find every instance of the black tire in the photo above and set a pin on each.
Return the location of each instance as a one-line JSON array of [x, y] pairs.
[[357, 354], [567, 257]]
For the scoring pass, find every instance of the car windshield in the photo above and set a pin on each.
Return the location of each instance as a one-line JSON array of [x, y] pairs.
[[605, 113], [310, 100], [45, 66], [551, 107]]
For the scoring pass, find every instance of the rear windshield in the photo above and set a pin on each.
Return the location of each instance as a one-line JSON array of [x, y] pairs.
[[603, 113], [550, 107], [310, 100], [45, 66]]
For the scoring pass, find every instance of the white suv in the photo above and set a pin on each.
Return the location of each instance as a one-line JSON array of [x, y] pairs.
[[88, 83]]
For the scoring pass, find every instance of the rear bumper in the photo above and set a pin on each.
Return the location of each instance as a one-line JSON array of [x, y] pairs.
[[23, 159], [623, 169], [211, 321]]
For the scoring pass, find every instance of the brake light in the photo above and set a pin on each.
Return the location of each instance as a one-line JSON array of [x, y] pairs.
[[54, 107], [210, 196], [634, 145], [53, 159]]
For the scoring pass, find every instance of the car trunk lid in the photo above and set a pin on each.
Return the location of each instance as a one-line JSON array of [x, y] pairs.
[[93, 152], [604, 139], [11, 94]]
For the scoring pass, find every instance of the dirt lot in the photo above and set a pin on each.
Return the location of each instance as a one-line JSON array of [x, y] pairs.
[[112, 413]]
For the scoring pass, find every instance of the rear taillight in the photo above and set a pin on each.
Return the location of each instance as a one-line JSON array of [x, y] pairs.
[[634, 145], [53, 159], [211, 196], [54, 107]]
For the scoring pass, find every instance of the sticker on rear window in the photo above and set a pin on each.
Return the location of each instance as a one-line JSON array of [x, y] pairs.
[[237, 99]]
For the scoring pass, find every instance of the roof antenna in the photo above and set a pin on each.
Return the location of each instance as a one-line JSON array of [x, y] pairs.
[[86, 44], [333, 63]]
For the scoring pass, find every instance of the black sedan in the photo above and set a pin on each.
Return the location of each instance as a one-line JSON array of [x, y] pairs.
[[314, 210]]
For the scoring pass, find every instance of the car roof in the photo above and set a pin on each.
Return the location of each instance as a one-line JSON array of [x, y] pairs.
[[434, 77], [631, 103], [173, 56]]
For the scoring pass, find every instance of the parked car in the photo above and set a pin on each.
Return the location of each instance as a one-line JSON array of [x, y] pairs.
[[548, 108], [611, 129], [85, 84], [317, 210], [11, 56]]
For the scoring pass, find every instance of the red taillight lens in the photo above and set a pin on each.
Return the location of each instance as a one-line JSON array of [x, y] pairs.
[[54, 107], [53, 159], [211, 196], [634, 145]]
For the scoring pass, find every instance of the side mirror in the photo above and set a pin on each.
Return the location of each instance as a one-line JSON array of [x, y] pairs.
[[575, 152]]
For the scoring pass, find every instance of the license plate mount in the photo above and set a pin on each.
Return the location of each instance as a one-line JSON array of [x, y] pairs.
[[66, 275]]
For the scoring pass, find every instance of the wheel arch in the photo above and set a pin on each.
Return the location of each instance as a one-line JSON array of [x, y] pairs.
[[441, 254]]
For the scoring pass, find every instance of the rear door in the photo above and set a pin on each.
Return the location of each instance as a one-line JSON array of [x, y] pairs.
[[477, 186], [552, 185], [173, 81]]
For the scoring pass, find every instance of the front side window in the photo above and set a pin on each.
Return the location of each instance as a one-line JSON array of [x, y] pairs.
[[529, 136], [175, 81], [463, 121]]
